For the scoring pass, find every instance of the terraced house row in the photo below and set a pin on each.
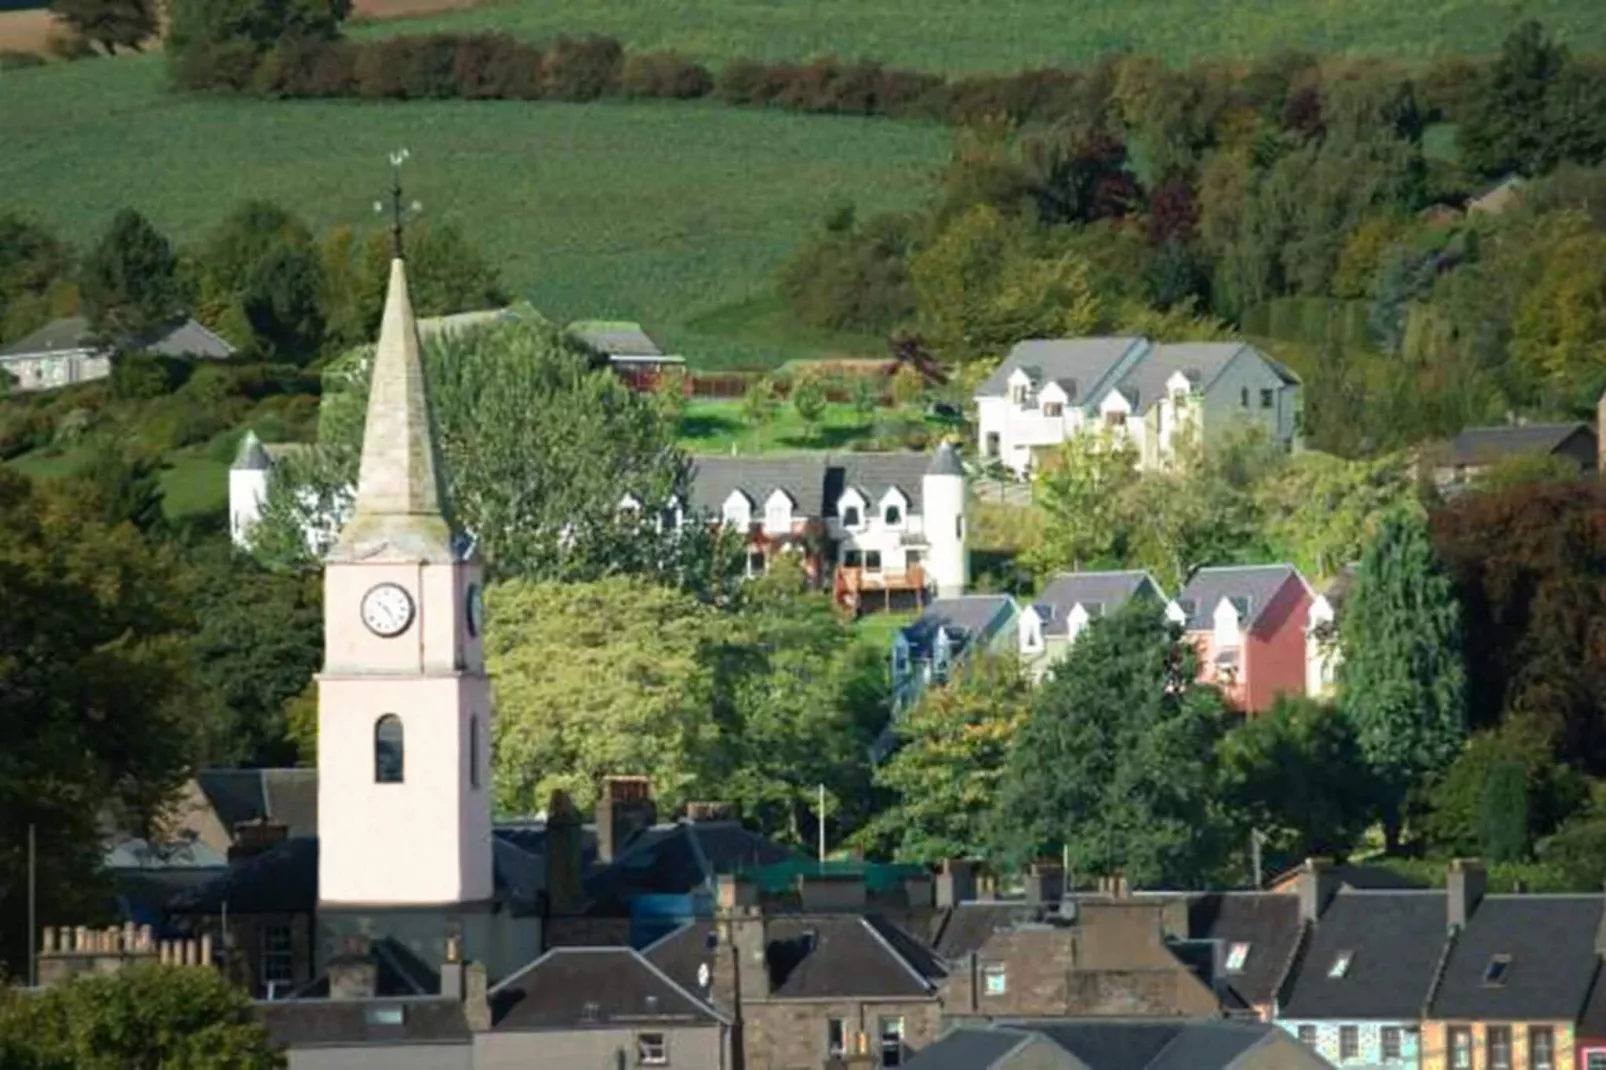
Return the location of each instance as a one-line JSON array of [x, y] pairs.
[[1260, 630]]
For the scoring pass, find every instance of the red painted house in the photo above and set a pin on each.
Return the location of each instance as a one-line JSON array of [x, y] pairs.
[[1249, 625]]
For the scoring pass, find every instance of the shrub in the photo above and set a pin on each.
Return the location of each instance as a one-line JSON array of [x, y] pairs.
[[581, 69], [496, 67], [70, 46], [664, 74], [739, 80]]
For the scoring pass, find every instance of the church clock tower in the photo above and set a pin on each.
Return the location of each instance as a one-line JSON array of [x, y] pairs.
[[404, 815]]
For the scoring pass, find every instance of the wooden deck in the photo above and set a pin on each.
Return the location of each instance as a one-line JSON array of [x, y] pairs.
[[856, 589]]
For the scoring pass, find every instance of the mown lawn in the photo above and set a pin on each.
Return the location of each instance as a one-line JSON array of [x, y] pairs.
[[1007, 35], [717, 426], [193, 484], [666, 213]]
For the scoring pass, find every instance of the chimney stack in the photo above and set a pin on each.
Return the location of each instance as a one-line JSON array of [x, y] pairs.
[[564, 892], [1465, 884], [956, 882], [1045, 883], [624, 808], [465, 982], [354, 974], [1316, 885], [735, 890]]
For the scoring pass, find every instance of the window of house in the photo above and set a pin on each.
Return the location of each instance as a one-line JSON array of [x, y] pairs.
[[852, 559], [1497, 1046], [1018, 394], [836, 1037], [1268, 398], [278, 956], [911, 560], [1542, 1049], [1115, 419], [891, 1032], [893, 515], [989, 445], [1243, 397], [1053, 408], [652, 1049], [1495, 973], [1237, 954], [1460, 1043], [1340, 964], [388, 750], [1391, 1042], [1349, 1041], [755, 562], [995, 980], [1596, 1061], [852, 517], [959, 527], [872, 560], [1307, 1035], [474, 753]]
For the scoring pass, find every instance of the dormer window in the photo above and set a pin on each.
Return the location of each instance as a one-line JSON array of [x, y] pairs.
[[1340, 965], [852, 516], [1494, 974], [1115, 419], [1237, 955], [892, 515], [778, 513], [737, 511], [1020, 394], [1053, 409]]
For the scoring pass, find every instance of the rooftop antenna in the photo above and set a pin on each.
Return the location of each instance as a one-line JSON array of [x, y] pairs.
[[398, 208]]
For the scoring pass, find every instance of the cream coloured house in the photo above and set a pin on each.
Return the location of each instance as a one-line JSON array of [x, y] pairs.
[[1155, 397]]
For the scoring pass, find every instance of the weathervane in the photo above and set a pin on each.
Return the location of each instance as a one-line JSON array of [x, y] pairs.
[[398, 210]]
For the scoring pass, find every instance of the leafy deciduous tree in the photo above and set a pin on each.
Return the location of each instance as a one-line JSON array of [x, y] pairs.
[[130, 278]]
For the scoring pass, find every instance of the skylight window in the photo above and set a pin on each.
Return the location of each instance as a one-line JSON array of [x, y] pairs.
[[1237, 955], [1495, 972], [1340, 965]]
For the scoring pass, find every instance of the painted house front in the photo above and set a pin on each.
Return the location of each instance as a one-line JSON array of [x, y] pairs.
[[1068, 604], [1249, 624], [946, 637]]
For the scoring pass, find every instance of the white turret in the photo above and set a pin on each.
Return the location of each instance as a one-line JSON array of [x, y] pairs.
[[943, 488], [248, 488]]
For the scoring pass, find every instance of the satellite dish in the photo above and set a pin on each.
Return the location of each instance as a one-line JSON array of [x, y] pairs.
[[702, 975]]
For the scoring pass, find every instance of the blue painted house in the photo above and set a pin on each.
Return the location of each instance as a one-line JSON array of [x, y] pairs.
[[948, 633]]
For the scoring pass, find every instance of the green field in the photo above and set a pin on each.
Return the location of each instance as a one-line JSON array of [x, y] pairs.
[[675, 215], [193, 484], [1006, 35]]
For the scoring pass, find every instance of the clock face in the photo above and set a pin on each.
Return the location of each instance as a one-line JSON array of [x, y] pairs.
[[387, 610], [475, 609]]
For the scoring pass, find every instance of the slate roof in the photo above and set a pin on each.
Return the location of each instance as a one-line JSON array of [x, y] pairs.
[[817, 956], [677, 859], [1592, 1022], [281, 880], [1352, 875], [616, 338], [282, 796], [1488, 445], [1108, 1044], [801, 476], [945, 462], [251, 457], [1081, 365], [966, 615], [433, 326], [312, 1023], [1144, 383], [1395, 938], [1267, 921], [961, 929], [182, 338], [1551, 941], [1108, 590], [813, 481], [1258, 584], [579, 987]]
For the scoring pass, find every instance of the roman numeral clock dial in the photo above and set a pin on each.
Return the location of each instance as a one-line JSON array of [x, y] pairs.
[[387, 610]]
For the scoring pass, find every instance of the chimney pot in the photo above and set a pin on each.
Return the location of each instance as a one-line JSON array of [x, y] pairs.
[[206, 949], [47, 941], [956, 882]]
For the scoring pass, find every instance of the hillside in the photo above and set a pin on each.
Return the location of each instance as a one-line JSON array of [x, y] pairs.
[[1005, 35], [661, 213]]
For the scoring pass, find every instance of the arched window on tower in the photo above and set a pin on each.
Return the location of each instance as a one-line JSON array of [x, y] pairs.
[[474, 753], [388, 750]]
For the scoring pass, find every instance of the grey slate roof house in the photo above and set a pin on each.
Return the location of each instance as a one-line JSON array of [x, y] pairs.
[[1153, 397], [1257, 934], [1069, 603], [380, 1033], [1250, 625], [1358, 988], [945, 636], [1475, 450], [1117, 1044], [66, 351]]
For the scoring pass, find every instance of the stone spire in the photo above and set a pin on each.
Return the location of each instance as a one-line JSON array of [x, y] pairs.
[[400, 503]]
